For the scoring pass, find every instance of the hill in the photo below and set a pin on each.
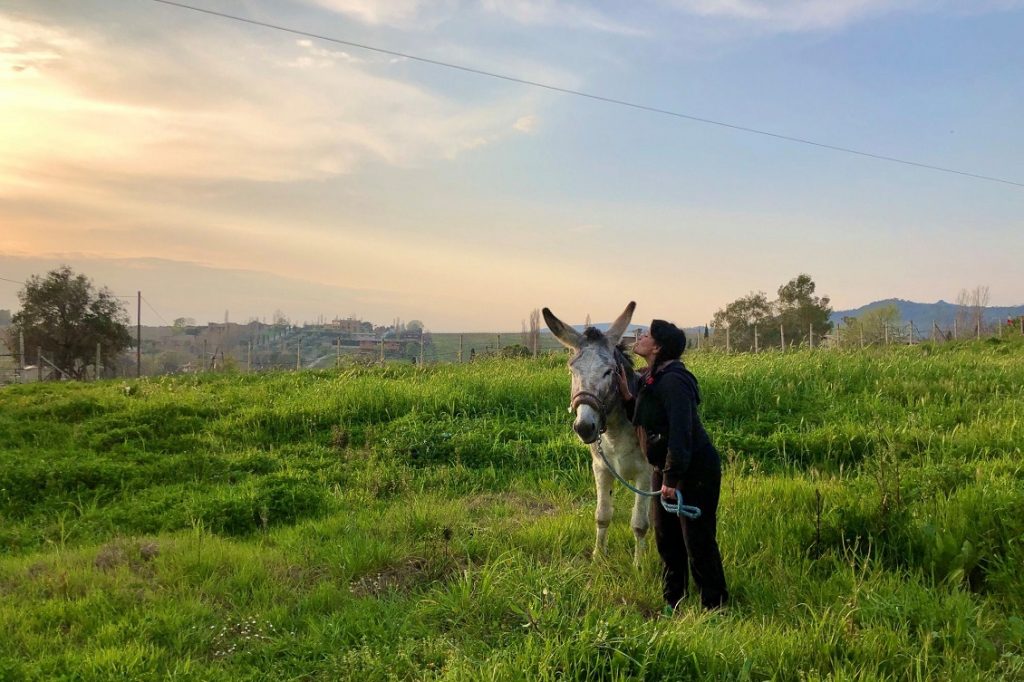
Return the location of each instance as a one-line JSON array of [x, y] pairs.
[[924, 314]]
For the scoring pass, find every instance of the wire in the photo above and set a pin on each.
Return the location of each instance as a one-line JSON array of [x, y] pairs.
[[580, 93], [12, 281], [155, 312]]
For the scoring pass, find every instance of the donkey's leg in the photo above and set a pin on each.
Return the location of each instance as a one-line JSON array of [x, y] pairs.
[[603, 513], [641, 519]]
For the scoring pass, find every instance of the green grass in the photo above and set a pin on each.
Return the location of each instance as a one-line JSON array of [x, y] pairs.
[[435, 523]]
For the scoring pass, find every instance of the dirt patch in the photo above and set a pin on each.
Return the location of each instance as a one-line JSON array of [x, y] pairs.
[[137, 556], [406, 576], [522, 502]]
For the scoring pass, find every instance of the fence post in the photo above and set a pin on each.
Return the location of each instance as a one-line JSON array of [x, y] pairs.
[[460, 348], [782, 338], [39, 363], [21, 356], [755, 338], [248, 358], [886, 328], [499, 343], [382, 349], [977, 330], [728, 349], [911, 333], [934, 326], [861, 327], [810, 336], [98, 348], [298, 354], [955, 331], [421, 348]]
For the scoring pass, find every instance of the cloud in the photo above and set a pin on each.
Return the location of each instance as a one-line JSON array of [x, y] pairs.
[[810, 15], [407, 13], [526, 124], [559, 13], [208, 106]]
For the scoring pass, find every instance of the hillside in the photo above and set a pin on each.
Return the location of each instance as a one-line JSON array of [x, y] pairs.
[[409, 523]]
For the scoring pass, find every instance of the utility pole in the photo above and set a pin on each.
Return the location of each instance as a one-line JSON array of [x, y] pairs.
[[138, 339]]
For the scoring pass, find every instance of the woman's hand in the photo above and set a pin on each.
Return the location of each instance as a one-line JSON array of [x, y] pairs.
[[668, 493], [624, 384]]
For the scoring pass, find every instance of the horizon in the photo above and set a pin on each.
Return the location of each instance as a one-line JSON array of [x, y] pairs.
[[216, 165]]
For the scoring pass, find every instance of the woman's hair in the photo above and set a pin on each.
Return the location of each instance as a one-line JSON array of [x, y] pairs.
[[670, 338]]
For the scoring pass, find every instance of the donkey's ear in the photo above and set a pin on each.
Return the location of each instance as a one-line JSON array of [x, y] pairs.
[[619, 326], [568, 336]]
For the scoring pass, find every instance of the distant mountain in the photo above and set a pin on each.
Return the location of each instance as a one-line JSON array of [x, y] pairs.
[[924, 314]]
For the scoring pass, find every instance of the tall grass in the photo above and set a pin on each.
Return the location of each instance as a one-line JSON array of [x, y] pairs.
[[435, 523]]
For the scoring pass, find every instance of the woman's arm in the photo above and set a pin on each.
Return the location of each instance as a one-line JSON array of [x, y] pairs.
[[679, 407]]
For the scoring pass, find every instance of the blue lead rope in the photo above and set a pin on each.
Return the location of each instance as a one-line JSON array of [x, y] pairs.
[[679, 509]]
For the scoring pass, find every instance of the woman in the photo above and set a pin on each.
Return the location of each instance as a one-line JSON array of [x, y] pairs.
[[674, 440]]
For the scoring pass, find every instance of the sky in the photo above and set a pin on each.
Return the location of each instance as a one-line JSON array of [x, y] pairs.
[[223, 168]]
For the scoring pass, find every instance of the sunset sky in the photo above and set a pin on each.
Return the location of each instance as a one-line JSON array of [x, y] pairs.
[[219, 166]]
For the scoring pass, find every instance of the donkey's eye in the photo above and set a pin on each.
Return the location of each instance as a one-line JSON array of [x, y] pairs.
[[608, 373]]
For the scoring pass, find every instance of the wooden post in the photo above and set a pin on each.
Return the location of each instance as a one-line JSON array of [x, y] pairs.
[[755, 338], [911, 333], [39, 363], [138, 339], [21, 356], [382, 348], [810, 336], [298, 354], [337, 358], [955, 330], [728, 348], [1022, 324], [98, 350], [782, 338], [886, 328], [977, 329], [934, 327], [421, 348], [460, 348], [248, 358], [499, 343]]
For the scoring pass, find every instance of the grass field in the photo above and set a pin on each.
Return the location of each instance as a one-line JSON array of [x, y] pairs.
[[400, 522]]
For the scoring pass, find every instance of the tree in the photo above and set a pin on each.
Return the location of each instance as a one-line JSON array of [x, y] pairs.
[[65, 316], [876, 326], [799, 310], [740, 316], [970, 310], [414, 326]]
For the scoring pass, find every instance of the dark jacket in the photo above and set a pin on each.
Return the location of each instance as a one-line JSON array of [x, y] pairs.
[[671, 433]]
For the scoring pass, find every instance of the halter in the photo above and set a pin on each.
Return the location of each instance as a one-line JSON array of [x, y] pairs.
[[593, 401]]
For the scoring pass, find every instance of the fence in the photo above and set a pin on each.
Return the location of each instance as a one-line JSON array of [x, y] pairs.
[[296, 352]]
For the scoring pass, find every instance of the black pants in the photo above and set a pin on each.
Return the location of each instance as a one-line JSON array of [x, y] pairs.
[[687, 545]]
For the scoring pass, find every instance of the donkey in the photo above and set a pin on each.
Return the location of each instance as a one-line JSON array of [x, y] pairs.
[[601, 420]]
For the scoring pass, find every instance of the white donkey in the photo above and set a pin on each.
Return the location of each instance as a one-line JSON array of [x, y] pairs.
[[601, 420]]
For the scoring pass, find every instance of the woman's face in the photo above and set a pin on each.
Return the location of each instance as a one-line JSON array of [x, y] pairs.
[[645, 345]]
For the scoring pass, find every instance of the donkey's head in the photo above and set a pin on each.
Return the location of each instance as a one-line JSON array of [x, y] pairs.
[[594, 364]]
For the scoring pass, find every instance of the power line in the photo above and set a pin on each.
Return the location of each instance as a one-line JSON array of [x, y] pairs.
[[12, 281], [155, 312], [599, 98]]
